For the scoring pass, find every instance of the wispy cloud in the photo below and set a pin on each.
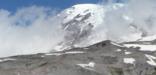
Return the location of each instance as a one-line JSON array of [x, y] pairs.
[[29, 30], [130, 22]]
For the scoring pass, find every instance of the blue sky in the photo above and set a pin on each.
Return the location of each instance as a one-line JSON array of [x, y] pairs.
[[13, 5]]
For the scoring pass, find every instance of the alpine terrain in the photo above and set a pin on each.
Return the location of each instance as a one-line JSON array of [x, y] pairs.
[[92, 46]]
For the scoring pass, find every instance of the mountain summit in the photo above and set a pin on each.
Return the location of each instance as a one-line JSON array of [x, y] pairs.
[[79, 21], [87, 24]]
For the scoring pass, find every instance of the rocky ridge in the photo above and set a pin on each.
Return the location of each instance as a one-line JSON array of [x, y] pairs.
[[103, 58]]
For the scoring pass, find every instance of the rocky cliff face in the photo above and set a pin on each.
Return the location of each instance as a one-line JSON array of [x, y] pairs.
[[104, 58]]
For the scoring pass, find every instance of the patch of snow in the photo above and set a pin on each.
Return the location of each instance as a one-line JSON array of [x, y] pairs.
[[7, 59], [118, 50], [89, 66], [135, 35], [142, 47], [151, 59], [129, 60], [148, 38], [116, 44], [74, 52], [128, 52], [42, 56], [58, 54]]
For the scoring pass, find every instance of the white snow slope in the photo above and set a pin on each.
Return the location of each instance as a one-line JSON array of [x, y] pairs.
[[87, 24]]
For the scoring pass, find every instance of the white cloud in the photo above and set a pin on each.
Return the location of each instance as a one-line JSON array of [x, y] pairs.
[[30, 30], [129, 22]]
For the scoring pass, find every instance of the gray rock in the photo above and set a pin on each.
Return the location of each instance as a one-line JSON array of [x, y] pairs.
[[98, 59]]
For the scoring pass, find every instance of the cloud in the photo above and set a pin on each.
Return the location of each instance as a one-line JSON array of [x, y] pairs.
[[127, 21], [29, 30]]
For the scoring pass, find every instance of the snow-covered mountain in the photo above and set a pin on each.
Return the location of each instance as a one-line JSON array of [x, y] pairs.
[[87, 24], [99, 40], [79, 22]]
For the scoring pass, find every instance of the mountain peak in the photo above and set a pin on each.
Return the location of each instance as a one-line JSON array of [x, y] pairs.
[[87, 24], [95, 10]]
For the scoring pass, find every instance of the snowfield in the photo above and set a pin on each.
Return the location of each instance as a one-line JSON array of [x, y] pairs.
[[142, 47]]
